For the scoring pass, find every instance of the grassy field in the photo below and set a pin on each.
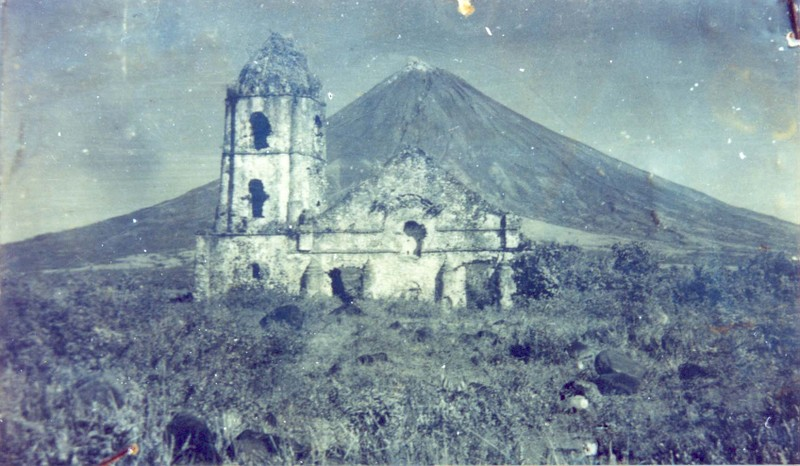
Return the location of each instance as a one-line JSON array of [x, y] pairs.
[[707, 369]]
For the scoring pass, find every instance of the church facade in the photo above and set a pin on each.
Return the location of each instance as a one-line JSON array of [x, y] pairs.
[[413, 231]]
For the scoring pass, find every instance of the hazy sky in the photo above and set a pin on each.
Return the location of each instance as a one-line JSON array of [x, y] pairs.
[[109, 106]]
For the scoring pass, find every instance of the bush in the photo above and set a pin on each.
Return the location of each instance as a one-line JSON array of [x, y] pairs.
[[633, 259], [548, 268], [634, 270], [482, 286], [771, 273]]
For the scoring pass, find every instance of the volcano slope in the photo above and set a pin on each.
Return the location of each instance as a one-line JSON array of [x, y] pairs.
[[163, 230], [528, 169], [564, 186]]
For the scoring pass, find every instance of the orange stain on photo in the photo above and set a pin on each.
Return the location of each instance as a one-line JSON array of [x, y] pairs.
[[465, 7]]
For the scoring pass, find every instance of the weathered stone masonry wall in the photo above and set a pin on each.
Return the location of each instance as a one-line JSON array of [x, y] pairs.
[[226, 262], [287, 158]]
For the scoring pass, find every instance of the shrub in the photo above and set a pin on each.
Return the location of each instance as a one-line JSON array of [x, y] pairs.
[[633, 259], [482, 286], [545, 270], [702, 285], [771, 273], [633, 272]]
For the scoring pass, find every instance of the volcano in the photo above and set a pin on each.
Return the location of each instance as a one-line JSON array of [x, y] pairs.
[[532, 171], [511, 161]]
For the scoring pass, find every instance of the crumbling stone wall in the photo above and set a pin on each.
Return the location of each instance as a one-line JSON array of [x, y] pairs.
[[226, 262]]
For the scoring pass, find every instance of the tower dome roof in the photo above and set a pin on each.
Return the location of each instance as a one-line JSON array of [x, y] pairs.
[[278, 68]]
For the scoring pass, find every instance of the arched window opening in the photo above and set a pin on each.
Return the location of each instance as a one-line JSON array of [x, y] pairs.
[[261, 129], [416, 231], [257, 197], [256, 269]]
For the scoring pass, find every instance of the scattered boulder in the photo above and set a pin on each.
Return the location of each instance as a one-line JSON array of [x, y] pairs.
[[618, 373], [192, 440], [618, 384]]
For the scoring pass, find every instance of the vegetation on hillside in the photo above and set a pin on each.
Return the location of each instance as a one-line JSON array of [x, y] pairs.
[[706, 360]]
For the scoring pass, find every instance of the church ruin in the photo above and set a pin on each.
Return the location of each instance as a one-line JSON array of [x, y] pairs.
[[413, 231]]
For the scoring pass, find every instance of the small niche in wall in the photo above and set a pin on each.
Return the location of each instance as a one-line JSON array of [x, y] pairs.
[[259, 124], [258, 274], [317, 126]]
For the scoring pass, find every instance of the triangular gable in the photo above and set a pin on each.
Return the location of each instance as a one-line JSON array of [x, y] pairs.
[[411, 185]]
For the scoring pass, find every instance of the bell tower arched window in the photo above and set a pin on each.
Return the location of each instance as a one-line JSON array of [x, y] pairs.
[[261, 128], [257, 197]]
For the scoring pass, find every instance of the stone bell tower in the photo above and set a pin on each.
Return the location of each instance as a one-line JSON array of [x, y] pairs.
[[273, 155]]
